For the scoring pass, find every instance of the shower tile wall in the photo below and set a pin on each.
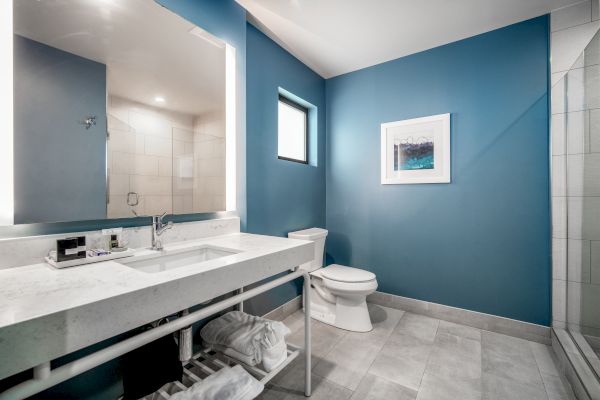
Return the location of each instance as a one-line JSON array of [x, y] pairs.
[[209, 163], [174, 161], [140, 157], [575, 128]]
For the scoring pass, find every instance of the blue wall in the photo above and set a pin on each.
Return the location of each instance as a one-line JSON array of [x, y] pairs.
[[483, 241], [283, 196], [56, 158]]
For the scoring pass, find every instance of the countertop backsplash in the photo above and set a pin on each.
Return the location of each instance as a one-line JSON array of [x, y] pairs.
[[15, 252]]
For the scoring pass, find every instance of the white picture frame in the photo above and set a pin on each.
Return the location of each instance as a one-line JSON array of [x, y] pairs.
[[416, 151]]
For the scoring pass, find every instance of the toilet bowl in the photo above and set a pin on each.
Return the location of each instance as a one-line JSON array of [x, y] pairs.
[[339, 292]]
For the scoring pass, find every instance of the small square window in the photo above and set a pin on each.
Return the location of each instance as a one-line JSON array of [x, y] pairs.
[[292, 136]]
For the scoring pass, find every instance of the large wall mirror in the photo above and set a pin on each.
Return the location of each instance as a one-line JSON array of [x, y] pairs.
[[120, 110]]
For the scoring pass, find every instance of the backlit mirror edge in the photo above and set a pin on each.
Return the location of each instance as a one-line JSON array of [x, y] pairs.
[[8, 230], [6, 115], [230, 129]]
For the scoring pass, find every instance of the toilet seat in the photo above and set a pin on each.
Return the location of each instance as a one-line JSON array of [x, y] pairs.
[[345, 289], [341, 273]]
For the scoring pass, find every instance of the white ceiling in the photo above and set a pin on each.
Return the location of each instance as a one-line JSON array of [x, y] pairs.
[[338, 36], [148, 50]]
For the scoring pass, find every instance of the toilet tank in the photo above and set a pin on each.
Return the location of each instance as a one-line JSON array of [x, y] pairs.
[[318, 236]]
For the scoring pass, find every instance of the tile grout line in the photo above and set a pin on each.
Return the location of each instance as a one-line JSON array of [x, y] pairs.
[[314, 365], [378, 351], [329, 351], [529, 346], [540, 372], [575, 26], [391, 382], [429, 356], [383, 345], [359, 383]]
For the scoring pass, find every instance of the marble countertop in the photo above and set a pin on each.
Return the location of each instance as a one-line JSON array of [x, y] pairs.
[[46, 312]]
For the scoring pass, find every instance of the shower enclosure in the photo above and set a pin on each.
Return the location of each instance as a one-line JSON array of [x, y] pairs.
[[576, 177]]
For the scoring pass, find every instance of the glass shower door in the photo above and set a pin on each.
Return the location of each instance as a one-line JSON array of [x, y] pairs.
[[582, 188]]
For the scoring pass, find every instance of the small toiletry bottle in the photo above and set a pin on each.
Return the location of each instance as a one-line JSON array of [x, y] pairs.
[[114, 241], [112, 238]]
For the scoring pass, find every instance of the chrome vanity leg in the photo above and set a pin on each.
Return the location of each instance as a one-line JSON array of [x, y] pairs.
[[240, 306], [185, 340], [307, 344]]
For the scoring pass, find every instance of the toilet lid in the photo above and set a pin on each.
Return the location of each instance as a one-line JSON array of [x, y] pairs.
[[342, 273]]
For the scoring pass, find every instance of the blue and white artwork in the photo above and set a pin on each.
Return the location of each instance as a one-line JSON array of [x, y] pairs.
[[416, 150], [413, 153]]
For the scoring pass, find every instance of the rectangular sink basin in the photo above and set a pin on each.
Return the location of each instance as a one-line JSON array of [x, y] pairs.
[[181, 259]]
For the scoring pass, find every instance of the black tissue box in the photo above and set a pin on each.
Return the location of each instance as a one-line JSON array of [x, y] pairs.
[[70, 248]]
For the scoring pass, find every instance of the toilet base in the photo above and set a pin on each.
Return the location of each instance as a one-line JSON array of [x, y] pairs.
[[352, 315], [347, 314]]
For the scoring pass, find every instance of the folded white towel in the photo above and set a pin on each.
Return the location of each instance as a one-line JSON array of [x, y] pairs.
[[256, 339], [226, 384], [228, 351]]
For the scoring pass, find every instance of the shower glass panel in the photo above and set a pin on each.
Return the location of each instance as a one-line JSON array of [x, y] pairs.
[[582, 188]]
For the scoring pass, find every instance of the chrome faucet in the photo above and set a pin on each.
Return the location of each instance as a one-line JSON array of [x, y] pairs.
[[158, 228]]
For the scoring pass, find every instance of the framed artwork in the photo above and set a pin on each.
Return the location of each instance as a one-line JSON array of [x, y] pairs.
[[416, 150]]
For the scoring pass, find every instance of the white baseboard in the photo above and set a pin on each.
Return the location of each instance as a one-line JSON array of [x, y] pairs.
[[488, 322]]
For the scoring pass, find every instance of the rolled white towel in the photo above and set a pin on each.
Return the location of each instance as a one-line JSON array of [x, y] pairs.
[[273, 356]]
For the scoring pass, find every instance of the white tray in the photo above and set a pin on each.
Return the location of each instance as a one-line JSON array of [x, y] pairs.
[[89, 260]]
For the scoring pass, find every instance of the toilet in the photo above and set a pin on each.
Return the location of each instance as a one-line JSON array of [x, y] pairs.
[[339, 295]]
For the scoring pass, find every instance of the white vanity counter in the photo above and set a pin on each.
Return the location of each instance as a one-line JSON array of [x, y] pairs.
[[46, 312]]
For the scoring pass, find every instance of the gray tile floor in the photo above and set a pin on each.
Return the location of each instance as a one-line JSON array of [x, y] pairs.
[[409, 356]]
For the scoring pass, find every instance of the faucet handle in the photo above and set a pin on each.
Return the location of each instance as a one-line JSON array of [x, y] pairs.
[[158, 218]]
